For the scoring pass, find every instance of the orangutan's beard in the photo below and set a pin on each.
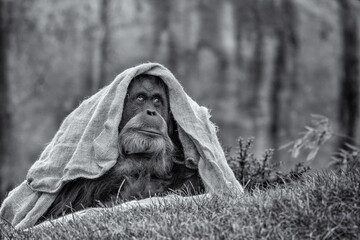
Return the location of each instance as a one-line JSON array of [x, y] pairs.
[[143, 153]]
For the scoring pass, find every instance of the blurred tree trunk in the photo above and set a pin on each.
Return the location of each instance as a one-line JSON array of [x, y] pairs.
[[105, 42], [292, 65], [210, 39], [163, 32], [349, 82], [258, 56], [284, 87], [257, 71], [276, 89], [5, 117], [239, 18], [89, 86]]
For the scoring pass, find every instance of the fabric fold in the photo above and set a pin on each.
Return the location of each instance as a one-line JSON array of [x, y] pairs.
[[191, 154]]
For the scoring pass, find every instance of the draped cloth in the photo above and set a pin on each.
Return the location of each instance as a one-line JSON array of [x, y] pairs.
[[86, 146]]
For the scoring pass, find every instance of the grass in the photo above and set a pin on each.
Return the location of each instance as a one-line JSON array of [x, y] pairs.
[[321, 205], [276, 205]]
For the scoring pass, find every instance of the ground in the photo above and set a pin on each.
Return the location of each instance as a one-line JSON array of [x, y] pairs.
[[321, 205]]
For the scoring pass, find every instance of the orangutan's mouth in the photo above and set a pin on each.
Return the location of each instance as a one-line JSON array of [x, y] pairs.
[[149, 132]]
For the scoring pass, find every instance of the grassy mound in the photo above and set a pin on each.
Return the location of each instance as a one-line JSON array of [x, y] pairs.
[[321, 205]]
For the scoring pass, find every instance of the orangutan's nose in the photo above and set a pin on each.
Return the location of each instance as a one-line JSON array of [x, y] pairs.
[[150, 112]]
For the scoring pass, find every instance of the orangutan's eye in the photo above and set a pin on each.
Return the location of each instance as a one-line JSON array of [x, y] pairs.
[[157, 101], [140, 98]]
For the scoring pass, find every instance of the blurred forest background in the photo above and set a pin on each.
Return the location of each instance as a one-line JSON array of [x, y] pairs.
[[262, 66]]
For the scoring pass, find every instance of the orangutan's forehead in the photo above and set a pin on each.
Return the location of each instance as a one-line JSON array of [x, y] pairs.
[[148, 84]]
